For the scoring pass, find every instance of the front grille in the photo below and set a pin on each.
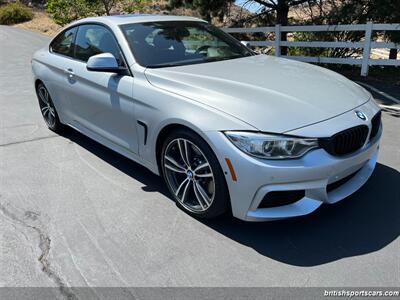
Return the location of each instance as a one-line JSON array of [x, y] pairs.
[[346, 141], [280, 198], [375, 125], [333, 186]]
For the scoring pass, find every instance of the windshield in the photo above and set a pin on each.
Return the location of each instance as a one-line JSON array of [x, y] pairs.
[[175, 43]]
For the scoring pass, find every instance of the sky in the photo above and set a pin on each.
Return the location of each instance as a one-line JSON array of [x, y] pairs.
[[252, 7]]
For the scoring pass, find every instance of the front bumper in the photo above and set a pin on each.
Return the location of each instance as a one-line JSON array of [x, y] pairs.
[[312, 173]]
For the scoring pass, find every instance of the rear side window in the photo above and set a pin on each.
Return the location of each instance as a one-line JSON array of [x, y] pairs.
[[95, 39], [63, 43]]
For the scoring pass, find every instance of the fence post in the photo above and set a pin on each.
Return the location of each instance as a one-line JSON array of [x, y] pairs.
[[367, 48], [277, 40]]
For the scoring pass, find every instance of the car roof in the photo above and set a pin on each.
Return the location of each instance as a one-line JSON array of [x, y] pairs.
[[136, 18]]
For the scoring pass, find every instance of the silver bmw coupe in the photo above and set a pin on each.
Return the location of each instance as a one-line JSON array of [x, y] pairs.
[[265, 137]]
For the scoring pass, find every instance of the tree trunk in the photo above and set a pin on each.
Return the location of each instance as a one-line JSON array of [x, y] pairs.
[[207, 16], [393, 54], [282, 13], [107, 6]]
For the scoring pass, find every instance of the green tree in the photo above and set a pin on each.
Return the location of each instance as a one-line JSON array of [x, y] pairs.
[[34, 3], [66, 11], [355, 12], [107, 6], [206, 8], [387, 11], [281, 10], [131, 6]]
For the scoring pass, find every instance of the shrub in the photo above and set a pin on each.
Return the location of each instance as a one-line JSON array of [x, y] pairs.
[[14, 13], [66, 11]]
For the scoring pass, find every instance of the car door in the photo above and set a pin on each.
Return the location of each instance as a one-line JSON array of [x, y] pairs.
[[101, 102], [60, 54]]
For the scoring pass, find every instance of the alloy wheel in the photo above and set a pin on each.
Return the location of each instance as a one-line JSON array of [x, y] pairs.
[[189, 175], [46, 106]]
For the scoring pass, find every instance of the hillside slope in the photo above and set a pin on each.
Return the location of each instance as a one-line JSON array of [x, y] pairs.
[[43, 23]]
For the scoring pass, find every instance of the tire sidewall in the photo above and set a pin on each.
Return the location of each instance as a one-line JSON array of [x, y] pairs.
[[57, 124]]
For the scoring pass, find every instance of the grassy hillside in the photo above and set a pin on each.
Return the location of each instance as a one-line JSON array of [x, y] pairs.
[[43, 23]]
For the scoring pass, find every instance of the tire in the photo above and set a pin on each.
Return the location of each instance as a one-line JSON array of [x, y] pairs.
[[193, 175], [47, 108]]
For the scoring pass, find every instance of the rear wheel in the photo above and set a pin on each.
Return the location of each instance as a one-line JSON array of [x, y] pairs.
[[47, 108], [193, 175]]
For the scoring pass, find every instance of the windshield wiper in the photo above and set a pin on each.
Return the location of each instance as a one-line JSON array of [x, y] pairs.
[[164, 65], [175, 63], [219, 58], [190, 62]]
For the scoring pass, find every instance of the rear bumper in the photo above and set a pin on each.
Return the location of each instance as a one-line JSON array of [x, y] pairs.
[[311, 173]]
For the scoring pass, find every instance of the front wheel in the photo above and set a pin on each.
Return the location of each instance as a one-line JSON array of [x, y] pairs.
[[193, 175]]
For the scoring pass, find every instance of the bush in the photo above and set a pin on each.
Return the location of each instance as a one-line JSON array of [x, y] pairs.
[[14, 13], [66, 11]]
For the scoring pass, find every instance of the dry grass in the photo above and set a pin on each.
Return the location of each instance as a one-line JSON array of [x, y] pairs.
[[41, 22]]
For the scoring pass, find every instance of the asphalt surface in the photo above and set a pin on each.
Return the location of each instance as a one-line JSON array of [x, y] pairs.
[[73, 213]]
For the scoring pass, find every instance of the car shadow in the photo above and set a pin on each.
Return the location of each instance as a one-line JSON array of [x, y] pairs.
[[363, 223], [150, 181]]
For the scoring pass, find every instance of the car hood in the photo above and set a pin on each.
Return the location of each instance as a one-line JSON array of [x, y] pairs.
[[271, 94]]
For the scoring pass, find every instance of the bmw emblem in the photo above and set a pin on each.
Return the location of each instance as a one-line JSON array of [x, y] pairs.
[[361, 115]]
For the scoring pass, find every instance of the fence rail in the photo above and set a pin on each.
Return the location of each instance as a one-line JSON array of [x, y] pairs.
[[366, 45]]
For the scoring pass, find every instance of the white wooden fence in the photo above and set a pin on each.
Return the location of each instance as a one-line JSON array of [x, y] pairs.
[[366, 45]]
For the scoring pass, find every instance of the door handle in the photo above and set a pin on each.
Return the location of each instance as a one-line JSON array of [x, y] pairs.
[[70, 73]]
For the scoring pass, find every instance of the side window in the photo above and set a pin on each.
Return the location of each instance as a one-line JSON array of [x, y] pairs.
[[62, 44], [95, 39]]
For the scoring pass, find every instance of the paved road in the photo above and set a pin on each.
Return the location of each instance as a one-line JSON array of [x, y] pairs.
[[75, 213]]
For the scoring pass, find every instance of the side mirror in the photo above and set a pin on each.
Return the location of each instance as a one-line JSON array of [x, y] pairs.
[[105, 62], [245, 43]]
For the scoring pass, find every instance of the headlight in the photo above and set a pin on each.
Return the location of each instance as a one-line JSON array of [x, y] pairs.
[[271, 146]]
